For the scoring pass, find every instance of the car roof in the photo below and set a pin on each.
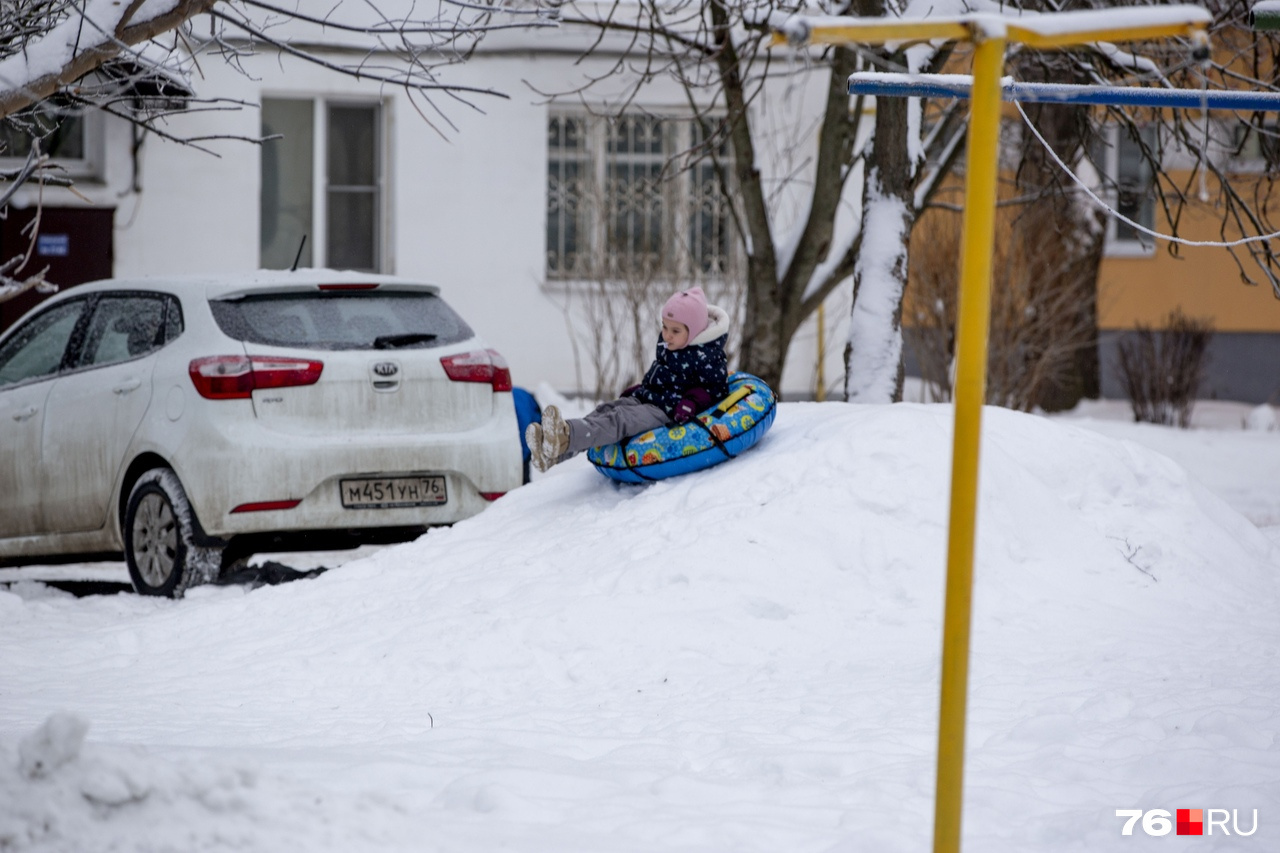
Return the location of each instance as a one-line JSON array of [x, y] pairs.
[[220, 285]]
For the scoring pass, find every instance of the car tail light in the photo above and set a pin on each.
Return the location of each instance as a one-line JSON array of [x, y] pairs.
[[230, 377], [491, 496], [266, 506], [347, 286], [481, 365]]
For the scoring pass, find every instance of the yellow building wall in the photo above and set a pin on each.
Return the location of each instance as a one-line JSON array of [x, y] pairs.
[[1204, 282]]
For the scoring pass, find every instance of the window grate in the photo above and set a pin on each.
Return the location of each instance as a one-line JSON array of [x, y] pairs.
[[619, 205]]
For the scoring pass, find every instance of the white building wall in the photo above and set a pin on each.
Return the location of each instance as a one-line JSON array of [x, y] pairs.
[[471, 216], [464, 206]]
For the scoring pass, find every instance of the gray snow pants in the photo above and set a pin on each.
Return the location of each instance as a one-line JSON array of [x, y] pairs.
[[611, 422]]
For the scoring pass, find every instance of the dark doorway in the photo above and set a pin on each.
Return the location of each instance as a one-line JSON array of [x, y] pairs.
[[75, 243]]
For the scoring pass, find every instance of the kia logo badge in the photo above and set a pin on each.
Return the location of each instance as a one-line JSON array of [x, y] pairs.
[[386, 368]]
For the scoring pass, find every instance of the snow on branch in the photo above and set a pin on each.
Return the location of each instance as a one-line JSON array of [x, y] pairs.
[[82, 40], [11, 287], [47, 47]]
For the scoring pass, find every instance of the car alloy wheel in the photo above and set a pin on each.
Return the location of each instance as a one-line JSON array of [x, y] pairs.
[[160, 538], [155, 539]]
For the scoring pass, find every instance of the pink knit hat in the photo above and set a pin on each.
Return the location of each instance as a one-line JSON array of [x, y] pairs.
[[690, 308]]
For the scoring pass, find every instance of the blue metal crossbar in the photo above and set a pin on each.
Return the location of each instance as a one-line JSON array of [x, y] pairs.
[[958, 85]]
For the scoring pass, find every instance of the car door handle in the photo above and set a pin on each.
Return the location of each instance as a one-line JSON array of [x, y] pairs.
[[25, 414], [128, 385]]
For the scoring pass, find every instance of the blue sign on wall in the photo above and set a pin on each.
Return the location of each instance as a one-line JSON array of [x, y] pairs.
[[53, 245]]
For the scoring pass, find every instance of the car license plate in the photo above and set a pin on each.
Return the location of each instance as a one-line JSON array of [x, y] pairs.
[[392, 492]]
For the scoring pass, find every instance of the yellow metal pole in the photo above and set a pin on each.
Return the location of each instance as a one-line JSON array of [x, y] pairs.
[[1065, 29], [881, 30], [1125, 32], [970, 390]]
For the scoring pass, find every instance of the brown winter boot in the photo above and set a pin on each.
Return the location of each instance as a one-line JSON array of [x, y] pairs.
[[533, 438], [555, 436]]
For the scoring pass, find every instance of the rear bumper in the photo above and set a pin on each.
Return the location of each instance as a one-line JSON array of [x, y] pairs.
[[220, 474]]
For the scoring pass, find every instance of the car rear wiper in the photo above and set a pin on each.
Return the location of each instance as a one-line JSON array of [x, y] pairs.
[[405, 340]]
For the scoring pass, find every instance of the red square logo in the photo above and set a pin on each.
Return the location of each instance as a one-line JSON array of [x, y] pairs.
[[1191, 821]]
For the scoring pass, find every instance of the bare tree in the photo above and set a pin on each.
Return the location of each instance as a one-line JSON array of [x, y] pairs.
[[1191, 156], [613, 310], [716, 51], [1193, 153], [1037, 328], [614, 302], [130, 59], [1187, 153], [616, 323], [799, 229]]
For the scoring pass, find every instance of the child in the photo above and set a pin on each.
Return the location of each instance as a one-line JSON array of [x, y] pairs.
[[688, 374]]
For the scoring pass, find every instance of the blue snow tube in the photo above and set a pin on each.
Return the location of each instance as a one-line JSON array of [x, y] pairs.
[[716, 435]]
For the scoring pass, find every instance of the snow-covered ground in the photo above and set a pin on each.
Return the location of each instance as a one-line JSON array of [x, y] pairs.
[[743, 659]]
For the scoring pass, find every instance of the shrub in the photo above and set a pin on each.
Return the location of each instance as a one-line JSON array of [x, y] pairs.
[[1042, 284], [1161, 370]]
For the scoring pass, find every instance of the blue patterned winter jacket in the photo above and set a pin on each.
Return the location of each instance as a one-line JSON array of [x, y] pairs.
[[699, 364]]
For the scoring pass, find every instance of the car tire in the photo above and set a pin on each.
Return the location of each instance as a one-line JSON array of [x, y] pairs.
[[159, 538]]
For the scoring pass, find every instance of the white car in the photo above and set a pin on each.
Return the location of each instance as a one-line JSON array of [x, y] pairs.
[[187, 422]]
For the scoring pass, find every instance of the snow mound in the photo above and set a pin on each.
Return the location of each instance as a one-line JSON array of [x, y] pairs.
[[1261, 419], [58, 794], [52, 745], [741, 659]]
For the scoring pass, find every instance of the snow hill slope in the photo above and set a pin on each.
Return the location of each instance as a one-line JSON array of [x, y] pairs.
[[742, 659]]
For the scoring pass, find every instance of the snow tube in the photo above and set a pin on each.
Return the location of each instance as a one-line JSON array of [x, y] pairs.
[[716, 435]]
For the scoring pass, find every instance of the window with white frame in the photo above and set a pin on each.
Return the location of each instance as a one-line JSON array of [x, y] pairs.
[[1129, 182], [1256, 147], [69, 135], [322, 181], [619, 204]]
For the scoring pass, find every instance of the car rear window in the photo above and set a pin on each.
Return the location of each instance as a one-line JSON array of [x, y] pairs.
[[362, 320]]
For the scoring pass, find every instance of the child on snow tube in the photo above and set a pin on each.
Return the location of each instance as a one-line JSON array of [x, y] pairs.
[[689, 373], [715, 435]]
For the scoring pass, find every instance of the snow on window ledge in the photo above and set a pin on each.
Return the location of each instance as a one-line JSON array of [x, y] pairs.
[[1128, 249]]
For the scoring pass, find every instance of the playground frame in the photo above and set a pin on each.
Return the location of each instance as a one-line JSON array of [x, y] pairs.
[[991, 35]]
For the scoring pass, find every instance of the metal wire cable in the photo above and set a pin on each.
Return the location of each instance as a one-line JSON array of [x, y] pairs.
[[1111, 211]]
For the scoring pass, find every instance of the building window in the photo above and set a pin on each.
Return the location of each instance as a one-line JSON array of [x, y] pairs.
[[1129, 183], [70, 136], [1256, 147], [629, 197], [321, 180]]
